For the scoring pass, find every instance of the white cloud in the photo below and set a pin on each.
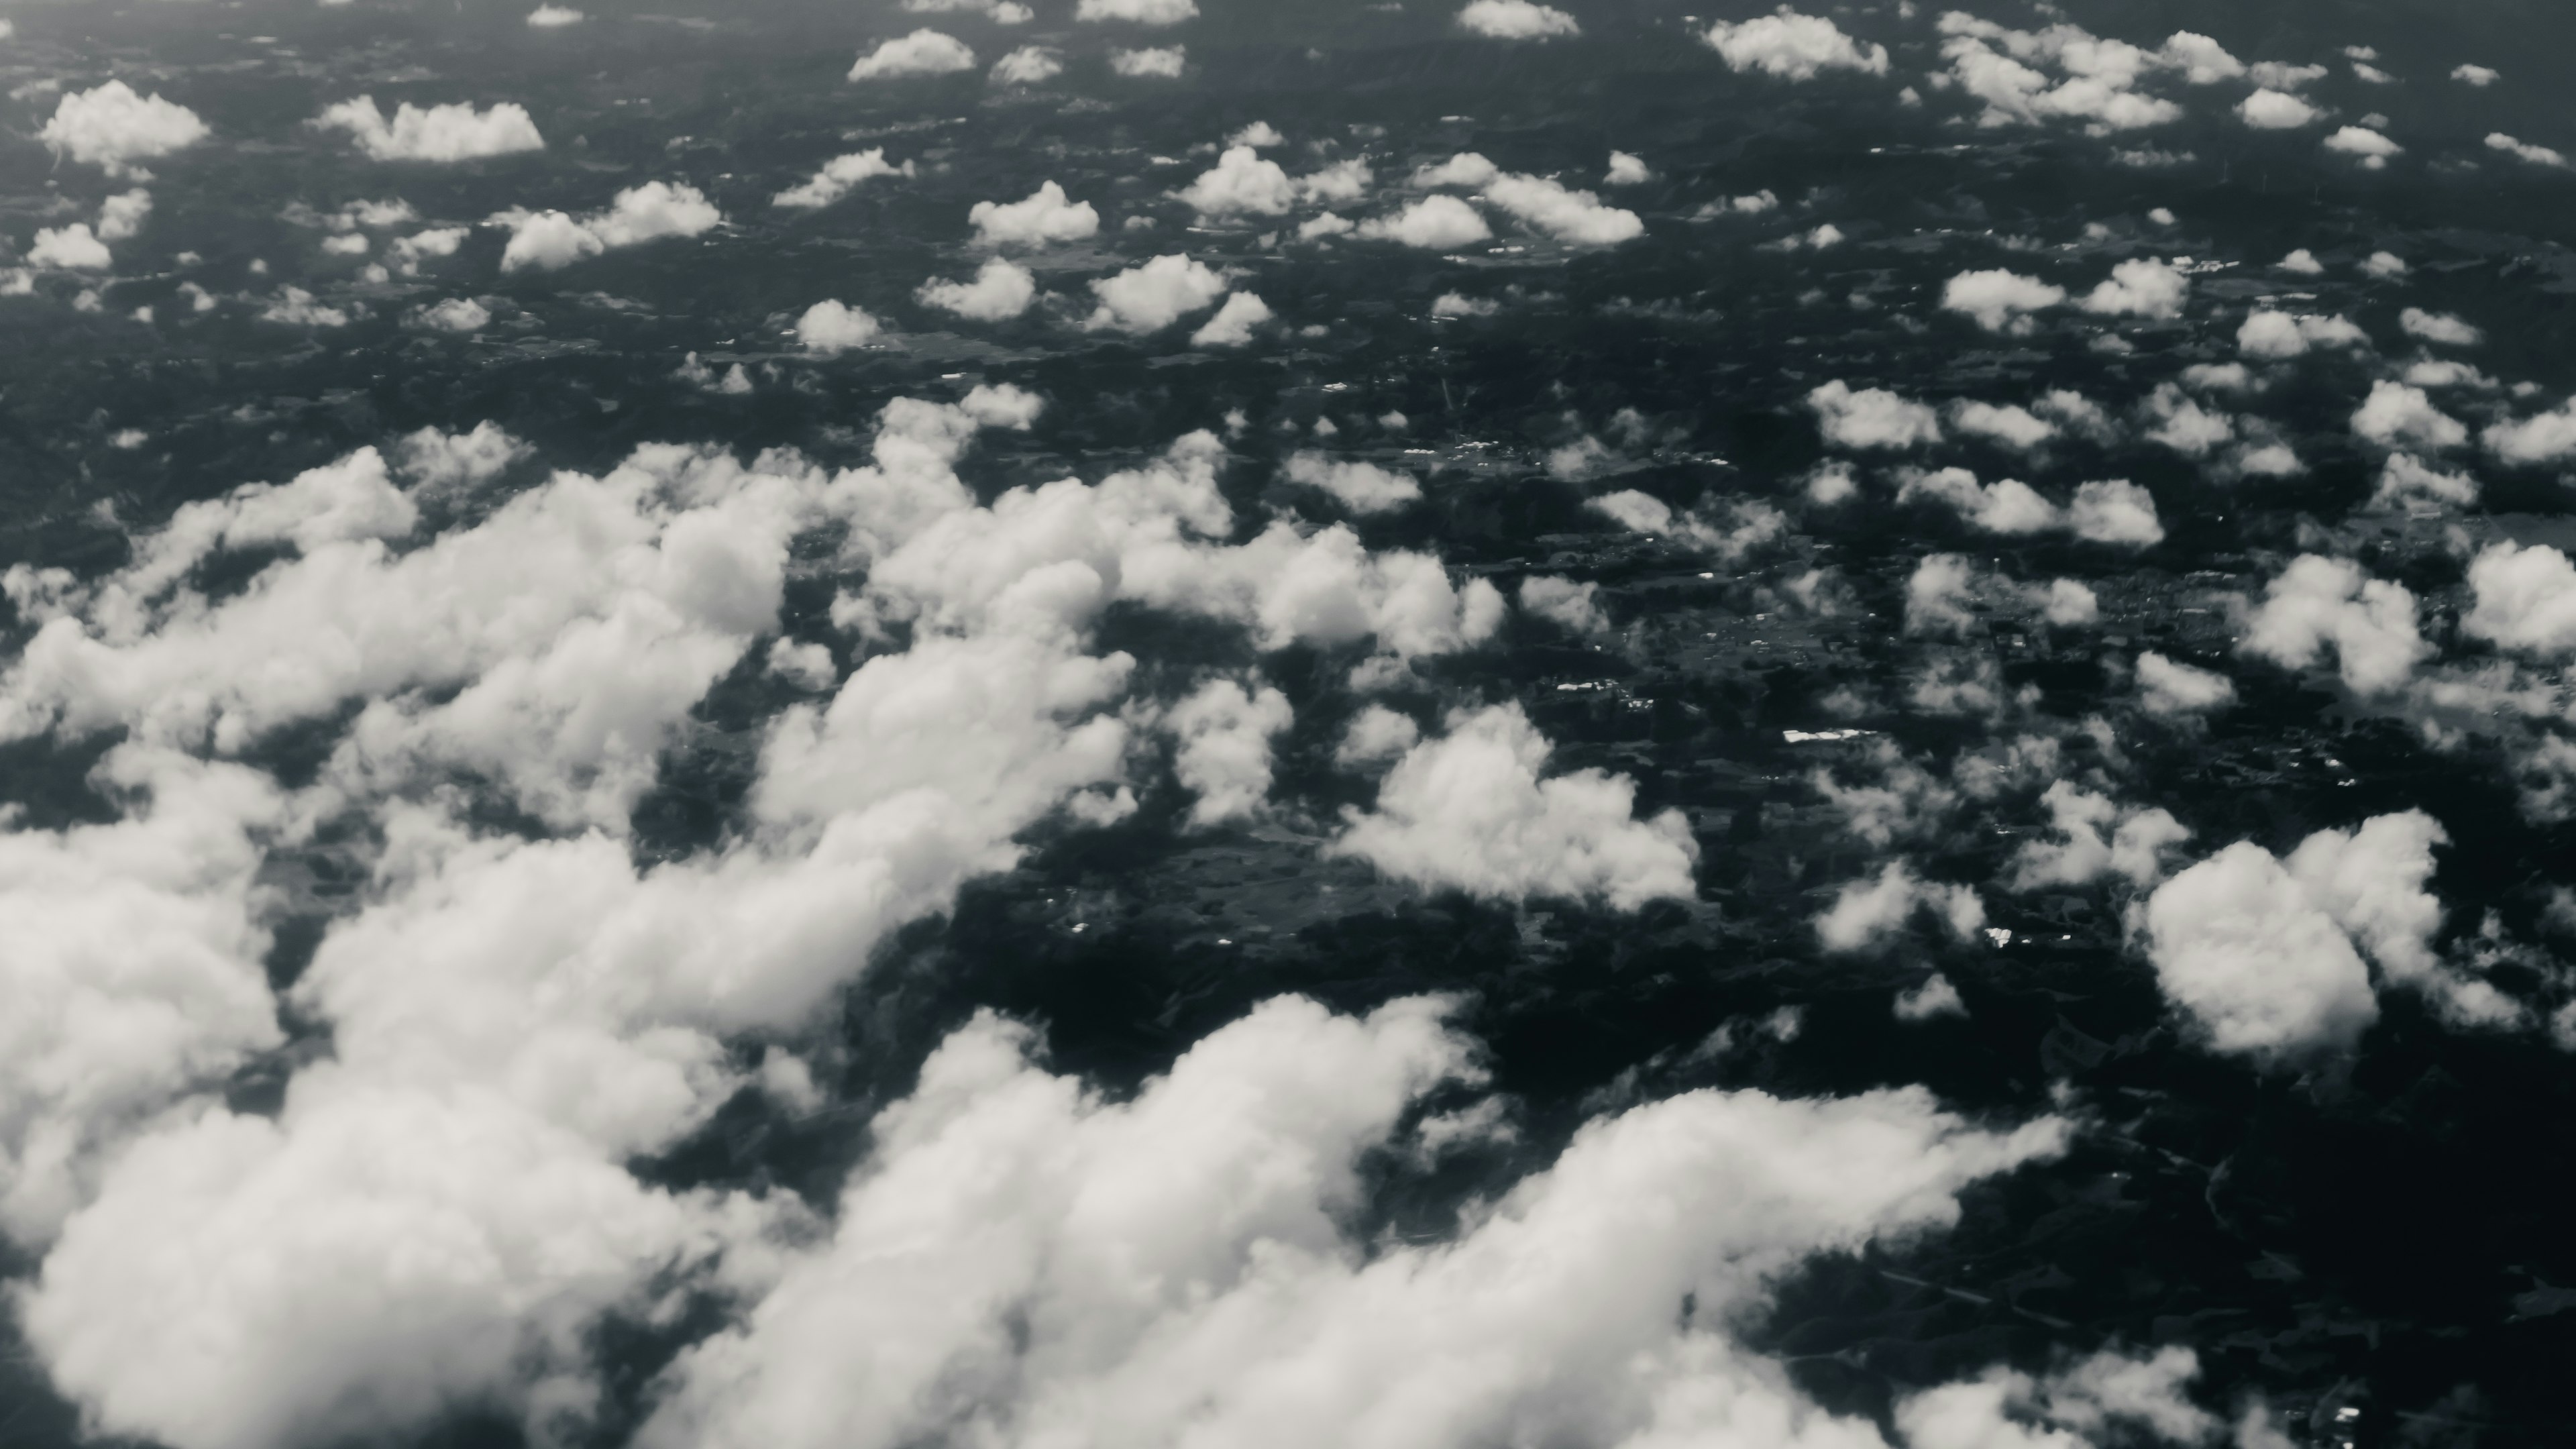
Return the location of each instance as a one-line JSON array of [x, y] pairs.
[[1155, 62], [1936, 997], [1241, 183], [2397, 413], [2274, 336], [2270, 110], [112, 127], [839, 177], [1141, 12], [447, 462], [1937, 595], [1043, 217], [2008, 506], [1571, 605], [2318, 601], [1626, 170], [1470, 811], [1027, 66], [2283, 76], [2475, 75], [2405, 477], [297, 307], [1025, 1260], [1516, 20], [1154, 294], [121, 217], [2110, 1397], [830, 328], [2006, 425], [2140, 287], [548, 240], [2098, 79], [2114, 510], [454, 314], [1456, 304], [2541, 438], [73, 247], [1792, 46], [2526, 599], [1000, 291], [2134, 847], [1867, 914], [1376, 733], [1569, 216], [447, 133], [1362, 487], [2000, 300], [2260, 969], [1433, 223], [407, 253], [2536, 155], [1222, 734], [2182, 424], [2169, 687], [2383, 266], [1258, 135], [1233, 322], [553, 17], [923, 52], [2439, 327], [1871, 417], [2303, 262], [2373, 148]]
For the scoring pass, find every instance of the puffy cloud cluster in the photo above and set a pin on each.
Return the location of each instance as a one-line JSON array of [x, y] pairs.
[[2265, 954], [446, 133], [2140, 287], [1569, 215], [2134, 847], [2542, 438], [2000, 300], [1138, 12], [1433, 223], [2271, 110], [2525, 599], [830, 328], [1242, 183], [1024, 1260], [1223, 734], [549, 240], [2373, 148], [2398, 413], [1516, 20], [2096, 80], [2318, 601], [1164, 62], [2172, 688], [72, 247], [2274, 336], [1792, 46], [1154, 294], [923, 52], [1470, 811], [2537, 155], [1871, 417], [1867, 914], [999, 291], [1362, 487], [839, 177], [111, 127], [1042, 218], [1754, 524], [2114, 511]]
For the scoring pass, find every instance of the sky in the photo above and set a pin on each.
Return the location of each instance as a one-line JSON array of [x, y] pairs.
[[1176, 723]]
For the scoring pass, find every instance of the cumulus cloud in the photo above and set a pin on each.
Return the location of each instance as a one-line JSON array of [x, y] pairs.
[[1140, 12], [446, 133], [2006, 425], [1471, 811], [2318, 601], [1000, 1271], [2526, 599], [1154, 62], [2475, 75], [73, 247], [2260, 969], [2396, 413], [2525, 150], [2170, 687], [2274, 336], [2096, 836], [548, 240], [1792, 46], [1152, 295], [1042, 218], [1568, 215], [2439, 327], [1565, 602], [1241, 183], [111, 127], [923, 52], [121, 217], [1222, 737], [2373, 148], [1516, 20], [1626, 170], [1433, 223], [2000, 300], [2096, 82], [297, 307], [1871, 417], [1362, 487], [553, 17], [2541, 438], [454, 314], [839, 177], [1233, 323], [2405, 477], [2007, 506], [2271, 110], [1027, 66], [999, 291], [2140, 287], [1937, 595], [1867, 914], [830, 328]]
